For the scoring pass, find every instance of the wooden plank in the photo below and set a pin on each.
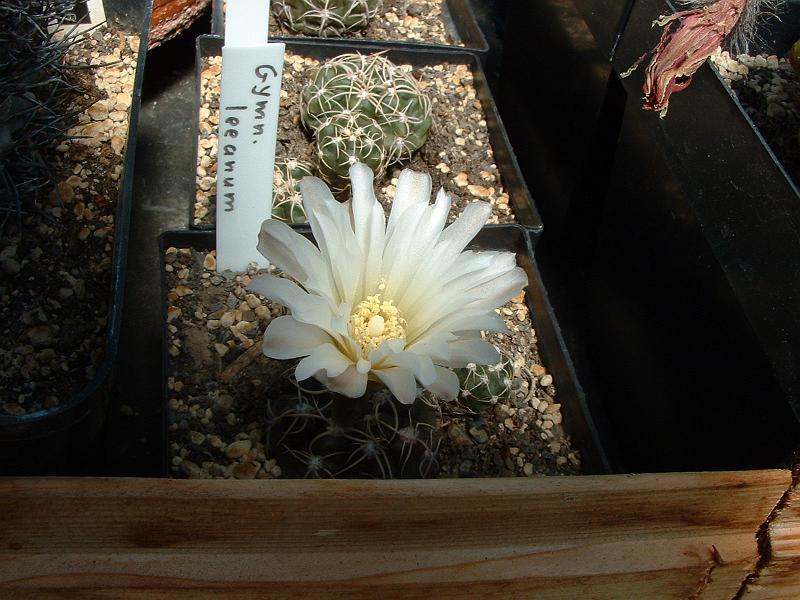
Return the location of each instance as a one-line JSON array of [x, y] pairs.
[[685, 535], [171, 17], [778, 577]]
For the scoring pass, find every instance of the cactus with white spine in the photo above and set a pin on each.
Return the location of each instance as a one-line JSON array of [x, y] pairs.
[[363, 109], [342, 141], [325, 18], [287, 203], [483, 385]]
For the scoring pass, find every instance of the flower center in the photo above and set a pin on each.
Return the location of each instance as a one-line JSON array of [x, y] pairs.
[[374, 321]]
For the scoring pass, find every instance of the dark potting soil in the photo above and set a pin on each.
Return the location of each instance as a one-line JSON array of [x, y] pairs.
[[223, 392], [457, 154], [55, 265]]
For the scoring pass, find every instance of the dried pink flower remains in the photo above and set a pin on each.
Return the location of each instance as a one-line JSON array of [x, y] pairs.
[[688, 39]]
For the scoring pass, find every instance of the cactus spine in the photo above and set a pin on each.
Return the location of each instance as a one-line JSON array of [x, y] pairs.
[[483, 385], [325, 18], [35, 98], [287, 204], [321, 436], [363, 109]]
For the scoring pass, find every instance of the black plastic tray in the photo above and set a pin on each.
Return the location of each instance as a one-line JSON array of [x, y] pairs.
[[565, 138], [683, 314], [513, 182], [596, 447], [458, 15], [65, 440]]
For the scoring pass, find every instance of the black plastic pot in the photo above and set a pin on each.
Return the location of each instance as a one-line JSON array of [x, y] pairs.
[[561, 103], [66, 440], [675, 279], [597, 448], [605, 20], [458, 16], [513, 182]]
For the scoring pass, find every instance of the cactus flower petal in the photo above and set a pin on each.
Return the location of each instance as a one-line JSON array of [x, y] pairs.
[[324, 357], [473, 351], [351, 383], [289, 338], [395, 301], [446, 385], [400, 382]]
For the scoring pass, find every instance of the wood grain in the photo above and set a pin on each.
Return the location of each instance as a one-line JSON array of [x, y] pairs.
[[170, 17], [778, 577], [685, 535]]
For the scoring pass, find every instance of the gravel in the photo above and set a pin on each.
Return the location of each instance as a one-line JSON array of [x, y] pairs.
[[769, 90], [457, 154], [54, 296], [401, 20], [220, 386]]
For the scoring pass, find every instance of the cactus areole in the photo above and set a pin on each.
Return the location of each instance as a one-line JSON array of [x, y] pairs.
[[325, 18], [363, 109], [287, 203]]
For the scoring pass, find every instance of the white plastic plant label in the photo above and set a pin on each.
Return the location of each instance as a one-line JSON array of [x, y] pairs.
[[85, 15], [248, 125]]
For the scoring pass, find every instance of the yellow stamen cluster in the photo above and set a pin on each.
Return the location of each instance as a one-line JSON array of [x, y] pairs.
[[375, 321]]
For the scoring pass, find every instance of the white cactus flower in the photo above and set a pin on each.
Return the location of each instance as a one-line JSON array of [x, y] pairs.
[[399, 303]]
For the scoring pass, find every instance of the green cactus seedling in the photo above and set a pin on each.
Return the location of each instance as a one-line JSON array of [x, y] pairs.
[[363, 109], [343, 141], [325, 18], [287, 204], [483, 385]]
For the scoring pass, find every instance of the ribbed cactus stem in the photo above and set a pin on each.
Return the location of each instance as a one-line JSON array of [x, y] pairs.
[[287, 203], [328, 436], [363, 109], [484, 385], [325, 18]]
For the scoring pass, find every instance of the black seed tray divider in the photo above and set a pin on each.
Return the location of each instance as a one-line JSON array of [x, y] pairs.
[[459, 19], [64, 440], [605, 19], [565, 138], [519, 196], [596, 448], [687, 303]]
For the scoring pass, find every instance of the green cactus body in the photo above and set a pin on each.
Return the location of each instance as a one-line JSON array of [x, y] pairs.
[[343, 141], [363, 108], [325, 18], [287, 204], [483, 385]]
